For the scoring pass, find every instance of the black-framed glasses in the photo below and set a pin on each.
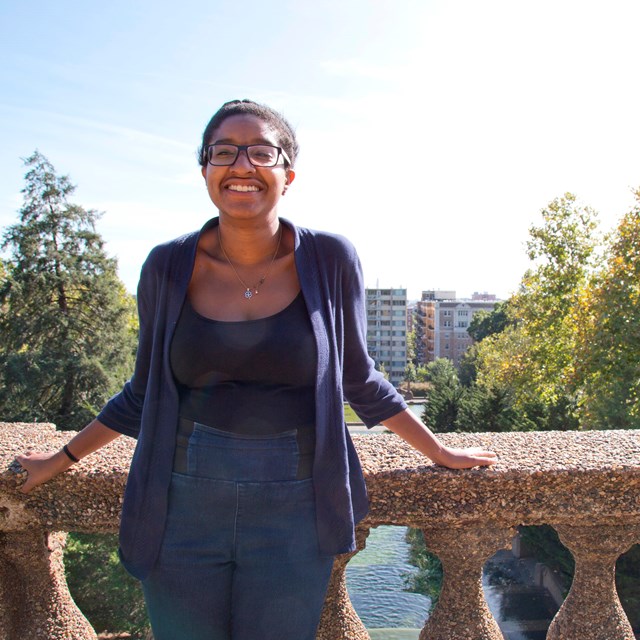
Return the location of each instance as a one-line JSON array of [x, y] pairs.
[[260, 155]]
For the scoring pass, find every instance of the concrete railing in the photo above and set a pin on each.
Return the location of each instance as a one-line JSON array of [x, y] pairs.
[[585, 484]]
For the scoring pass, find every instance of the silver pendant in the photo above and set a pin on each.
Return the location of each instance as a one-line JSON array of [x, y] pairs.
[[247, 294]]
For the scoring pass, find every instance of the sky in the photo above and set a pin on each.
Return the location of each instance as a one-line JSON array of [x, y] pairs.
[[432, 132]]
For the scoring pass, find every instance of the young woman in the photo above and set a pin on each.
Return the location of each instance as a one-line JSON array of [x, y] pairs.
[[245, 483]]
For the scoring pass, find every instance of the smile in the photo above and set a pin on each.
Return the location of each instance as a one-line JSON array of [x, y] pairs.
[[242, 188]]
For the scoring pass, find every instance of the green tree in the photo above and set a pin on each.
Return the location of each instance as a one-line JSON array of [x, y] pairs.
[[442, 404], [107, 595], [535, 353], [487, 323], [410, 375], [490, 409], [67, 325], [608, 344]]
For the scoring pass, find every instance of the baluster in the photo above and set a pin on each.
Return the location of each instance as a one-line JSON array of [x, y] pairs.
[[36, 601], [462, 612], [339, 621], [592, 609]]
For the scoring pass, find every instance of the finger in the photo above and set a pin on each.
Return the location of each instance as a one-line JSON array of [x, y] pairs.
[[27, 486], [486, 461], [482, 453]]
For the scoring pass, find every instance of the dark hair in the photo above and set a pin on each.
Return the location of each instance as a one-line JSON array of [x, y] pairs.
[[284, 131]]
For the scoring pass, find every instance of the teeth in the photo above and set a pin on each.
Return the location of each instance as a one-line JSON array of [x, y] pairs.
[[244, 188]]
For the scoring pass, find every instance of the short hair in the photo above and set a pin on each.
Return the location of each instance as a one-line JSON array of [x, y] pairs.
[[284, 131]]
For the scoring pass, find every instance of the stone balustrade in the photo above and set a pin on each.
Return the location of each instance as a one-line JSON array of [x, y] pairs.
[[585, 484]]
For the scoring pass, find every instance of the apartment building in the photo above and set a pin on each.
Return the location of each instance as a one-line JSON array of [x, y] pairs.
[[387, 330], [442, 322]]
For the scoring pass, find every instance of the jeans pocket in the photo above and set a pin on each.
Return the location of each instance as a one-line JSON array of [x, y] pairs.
[[240, 458]]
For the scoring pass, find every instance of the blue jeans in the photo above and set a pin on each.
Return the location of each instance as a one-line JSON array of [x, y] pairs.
[[239, 558]]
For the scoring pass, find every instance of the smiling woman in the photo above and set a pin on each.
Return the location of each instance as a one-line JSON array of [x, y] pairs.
[[245, 483]]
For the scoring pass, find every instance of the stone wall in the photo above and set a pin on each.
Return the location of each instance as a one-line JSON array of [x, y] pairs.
[[585, 484]]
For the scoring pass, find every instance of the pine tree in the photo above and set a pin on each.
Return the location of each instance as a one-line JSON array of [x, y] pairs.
[[67, 325]]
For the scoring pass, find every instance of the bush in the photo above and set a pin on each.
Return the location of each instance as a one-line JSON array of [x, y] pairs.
[[548, 549], [108, 596], [427, 580]]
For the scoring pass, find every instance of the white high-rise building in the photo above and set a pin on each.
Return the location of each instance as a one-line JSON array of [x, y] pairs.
[[387, 330]]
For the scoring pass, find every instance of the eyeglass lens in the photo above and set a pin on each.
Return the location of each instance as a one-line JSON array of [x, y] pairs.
[[260, 155]]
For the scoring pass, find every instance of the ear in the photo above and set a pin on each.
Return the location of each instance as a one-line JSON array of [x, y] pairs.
[[204, 172], [291, 174]]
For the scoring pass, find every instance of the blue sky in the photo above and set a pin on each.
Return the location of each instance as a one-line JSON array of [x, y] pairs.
[[488, 110]]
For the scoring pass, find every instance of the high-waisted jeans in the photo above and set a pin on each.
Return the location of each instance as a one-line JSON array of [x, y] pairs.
[[239, 558]]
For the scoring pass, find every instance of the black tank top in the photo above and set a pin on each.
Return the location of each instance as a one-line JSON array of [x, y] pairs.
[[251, 377]]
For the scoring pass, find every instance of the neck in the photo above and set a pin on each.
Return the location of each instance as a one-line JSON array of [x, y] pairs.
[[248, 245]]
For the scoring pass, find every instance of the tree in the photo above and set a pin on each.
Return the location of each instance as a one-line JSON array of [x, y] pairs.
[[535, 353], [67, 326], [410, 375], [608, 343], [442, 404], [486, 323]]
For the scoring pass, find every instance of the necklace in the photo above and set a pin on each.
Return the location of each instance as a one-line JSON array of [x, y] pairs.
[[248, 294]]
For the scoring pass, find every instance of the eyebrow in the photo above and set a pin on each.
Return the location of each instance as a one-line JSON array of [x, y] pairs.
[[256, 141]]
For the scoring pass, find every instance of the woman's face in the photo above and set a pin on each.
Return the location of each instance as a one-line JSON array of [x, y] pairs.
[[241, 190]]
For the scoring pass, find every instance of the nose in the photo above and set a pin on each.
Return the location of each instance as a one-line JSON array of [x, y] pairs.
[[242, 160]]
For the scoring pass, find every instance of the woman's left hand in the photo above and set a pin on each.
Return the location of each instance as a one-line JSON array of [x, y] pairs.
[[464, 458], [410, 428]]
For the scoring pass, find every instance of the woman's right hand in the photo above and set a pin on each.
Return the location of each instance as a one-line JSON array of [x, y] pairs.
[[41, 467]]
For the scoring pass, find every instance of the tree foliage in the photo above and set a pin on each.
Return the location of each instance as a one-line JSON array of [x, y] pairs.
[[453, 406], [487, 323], [564, 351], [107, 595], [608, 333], [68, 327], [534, 354]]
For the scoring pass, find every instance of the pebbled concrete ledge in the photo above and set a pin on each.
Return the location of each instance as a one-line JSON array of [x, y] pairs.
[[584, 483]]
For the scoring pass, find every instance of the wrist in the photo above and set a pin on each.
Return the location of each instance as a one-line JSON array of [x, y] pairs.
[[441, 455], [67, 452], [63, 462]]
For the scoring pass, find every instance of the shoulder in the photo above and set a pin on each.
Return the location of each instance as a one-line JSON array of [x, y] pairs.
[[329, 245], [161, 255]]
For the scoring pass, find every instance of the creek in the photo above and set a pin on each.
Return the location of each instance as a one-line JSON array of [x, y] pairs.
[[376, 581]]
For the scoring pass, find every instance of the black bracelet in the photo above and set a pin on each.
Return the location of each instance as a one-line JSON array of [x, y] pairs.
[[69, 454]]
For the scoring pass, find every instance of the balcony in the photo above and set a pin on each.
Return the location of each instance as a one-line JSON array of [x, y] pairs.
[[585, 484]]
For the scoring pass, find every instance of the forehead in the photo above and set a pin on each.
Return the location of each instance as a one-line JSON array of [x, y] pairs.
[[244, 129]]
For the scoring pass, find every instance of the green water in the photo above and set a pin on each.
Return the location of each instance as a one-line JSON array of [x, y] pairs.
[[376, 580]]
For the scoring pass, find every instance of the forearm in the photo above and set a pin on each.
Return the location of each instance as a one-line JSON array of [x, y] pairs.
[[93, 437], [409, 427], [41, 467]]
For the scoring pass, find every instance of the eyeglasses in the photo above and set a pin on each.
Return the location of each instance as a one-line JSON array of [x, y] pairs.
[[259, 155]]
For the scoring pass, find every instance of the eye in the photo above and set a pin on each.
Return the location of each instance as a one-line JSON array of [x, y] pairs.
[[221, 152]]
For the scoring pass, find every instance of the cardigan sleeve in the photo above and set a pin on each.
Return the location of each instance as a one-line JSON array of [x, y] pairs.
[[123, 412], [368, 392]]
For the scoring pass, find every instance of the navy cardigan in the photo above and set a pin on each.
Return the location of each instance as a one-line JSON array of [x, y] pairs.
[[147, 407]]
